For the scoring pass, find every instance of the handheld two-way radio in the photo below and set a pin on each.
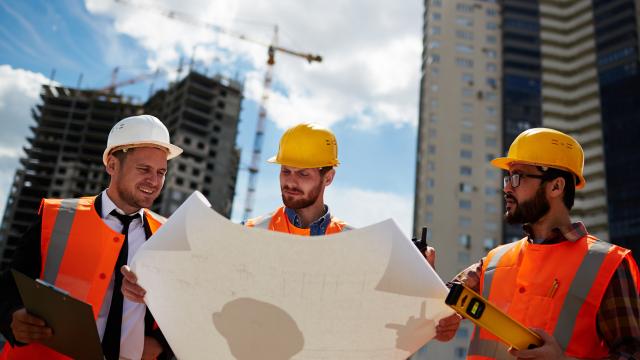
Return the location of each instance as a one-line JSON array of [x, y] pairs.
[[421, 243], [481, 312]]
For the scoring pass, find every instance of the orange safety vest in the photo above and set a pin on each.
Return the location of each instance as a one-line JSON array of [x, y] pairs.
[[79, 253], [555, 287], [278, 221]]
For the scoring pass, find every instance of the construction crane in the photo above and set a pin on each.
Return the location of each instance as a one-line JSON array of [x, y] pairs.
[[272, 48], [116, 84]]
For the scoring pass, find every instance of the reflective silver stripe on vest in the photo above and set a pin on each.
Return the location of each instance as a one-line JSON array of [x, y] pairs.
[[491, 267], [347, 228], [578, 291], [263, 222], [489, 348], [59, 238]]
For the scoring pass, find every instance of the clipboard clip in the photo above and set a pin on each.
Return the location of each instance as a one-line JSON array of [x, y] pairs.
[[52, 287]]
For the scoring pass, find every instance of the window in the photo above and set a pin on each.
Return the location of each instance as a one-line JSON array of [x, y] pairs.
[[466, 8], [434, 87], [463, 257], [435, 71], [466, 187], [464, 21], [464, 63], [431, 149], [436, 16], [434, 104], [431, 165], [464, 204], [466, 154], [467, 123], [431, 183], [466, 138], [467, 79], [491, 26], [490, 208], [466, 92], [432, 133], [464, 48], [490, 95], [491, 111], [491, 67], [465, 170], [490, 191], [464, 222], [467, 108], [430, 199], [491, 141], [434, 44], [433, 118], [490, 226], [492, 82], [488, 244], [492, 39], [466, 35], [488, 157], [491, 12], [491, 174], [464, 240], [429, 217], [437, 3], [433, 59], [436, 30], [491, 127]]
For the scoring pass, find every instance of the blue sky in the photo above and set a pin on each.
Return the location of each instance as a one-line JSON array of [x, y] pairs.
[[366, 89]]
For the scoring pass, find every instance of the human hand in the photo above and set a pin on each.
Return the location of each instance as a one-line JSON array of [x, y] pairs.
[[152, 348], [447, 327], [550, 349], [430, 255], [28, 328], [130, 288]]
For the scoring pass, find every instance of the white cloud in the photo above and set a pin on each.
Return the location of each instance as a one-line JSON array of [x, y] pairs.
[[362, 207], [19, 90], [371, 52]]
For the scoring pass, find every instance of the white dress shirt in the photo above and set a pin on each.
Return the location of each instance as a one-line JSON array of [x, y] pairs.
[[132, 333]]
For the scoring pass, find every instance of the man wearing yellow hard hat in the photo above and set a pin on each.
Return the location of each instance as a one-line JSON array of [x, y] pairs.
[[307, 156], [579, 293]]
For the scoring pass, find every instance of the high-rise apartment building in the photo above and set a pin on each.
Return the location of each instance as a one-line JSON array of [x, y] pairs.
[[64, 158], [64, 155], [202, 116], [457, 191], [571, 65]]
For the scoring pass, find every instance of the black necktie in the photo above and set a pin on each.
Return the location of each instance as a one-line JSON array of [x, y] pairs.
[[111, 338]]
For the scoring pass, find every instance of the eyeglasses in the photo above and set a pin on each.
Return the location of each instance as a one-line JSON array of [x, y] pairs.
[[514, 179]]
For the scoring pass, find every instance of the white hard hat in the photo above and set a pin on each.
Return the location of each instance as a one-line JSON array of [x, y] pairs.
[[138, 131]]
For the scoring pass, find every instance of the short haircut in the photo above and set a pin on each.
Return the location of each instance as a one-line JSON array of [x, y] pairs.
[[569, 180], [325, 169], [122, 154]]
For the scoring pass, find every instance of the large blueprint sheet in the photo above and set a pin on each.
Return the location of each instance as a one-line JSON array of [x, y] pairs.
[[219, 290]]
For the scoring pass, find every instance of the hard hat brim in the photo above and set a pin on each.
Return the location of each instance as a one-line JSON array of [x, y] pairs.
[[172, 150], [301, 165], [504, 163]]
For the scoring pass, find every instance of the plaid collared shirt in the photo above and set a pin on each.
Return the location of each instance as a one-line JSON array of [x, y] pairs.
[[618, 317]]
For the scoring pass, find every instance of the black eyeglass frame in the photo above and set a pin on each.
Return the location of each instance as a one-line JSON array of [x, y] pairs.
[[514, 179]]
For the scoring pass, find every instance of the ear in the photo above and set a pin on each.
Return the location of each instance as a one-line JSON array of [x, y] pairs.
[[328, 177], [112, 165], [557, 187]]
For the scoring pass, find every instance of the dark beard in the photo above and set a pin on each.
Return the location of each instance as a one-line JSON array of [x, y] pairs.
[[530, 211], [304, 202]]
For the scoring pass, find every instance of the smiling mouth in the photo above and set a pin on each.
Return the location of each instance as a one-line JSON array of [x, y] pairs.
[[146, 190]]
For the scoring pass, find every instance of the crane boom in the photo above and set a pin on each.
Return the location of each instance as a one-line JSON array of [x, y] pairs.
[[272, 48]]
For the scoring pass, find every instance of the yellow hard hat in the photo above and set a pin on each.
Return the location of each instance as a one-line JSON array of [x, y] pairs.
[[546, 147], [307, 146]]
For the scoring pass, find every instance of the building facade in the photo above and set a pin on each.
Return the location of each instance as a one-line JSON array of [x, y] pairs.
[[202, 115], [64, 155], [457, 191]]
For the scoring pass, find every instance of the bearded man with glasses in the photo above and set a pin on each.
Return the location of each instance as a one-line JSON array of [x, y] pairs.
[[579, 293]]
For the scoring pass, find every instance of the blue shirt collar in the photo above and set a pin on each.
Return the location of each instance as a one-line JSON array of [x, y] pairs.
[[318, 227]]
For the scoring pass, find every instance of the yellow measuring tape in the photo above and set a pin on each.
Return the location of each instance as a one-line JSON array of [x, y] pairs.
[[481, 312]]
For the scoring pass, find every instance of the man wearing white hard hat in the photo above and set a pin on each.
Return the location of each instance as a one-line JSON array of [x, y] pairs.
[[79, 245]]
